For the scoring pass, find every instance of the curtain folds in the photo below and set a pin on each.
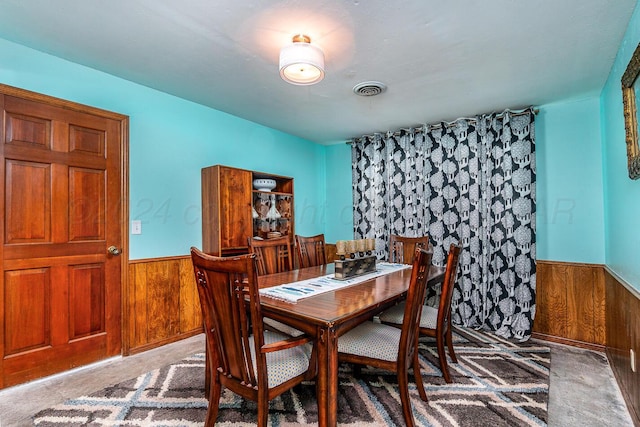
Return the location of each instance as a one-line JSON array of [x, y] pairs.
[[470, 182]]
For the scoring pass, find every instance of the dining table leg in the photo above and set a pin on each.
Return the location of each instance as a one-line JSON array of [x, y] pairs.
[[327, 379]]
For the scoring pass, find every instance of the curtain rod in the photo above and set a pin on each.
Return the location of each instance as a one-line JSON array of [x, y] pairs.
[[449, 124]]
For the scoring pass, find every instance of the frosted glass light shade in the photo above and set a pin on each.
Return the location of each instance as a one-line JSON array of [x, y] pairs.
[[301, 63]]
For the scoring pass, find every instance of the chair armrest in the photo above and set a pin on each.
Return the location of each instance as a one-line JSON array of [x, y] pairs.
[[285, 344], [284, 321]]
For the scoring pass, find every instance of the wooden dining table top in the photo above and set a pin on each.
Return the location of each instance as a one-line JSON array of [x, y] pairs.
[[337, 305]]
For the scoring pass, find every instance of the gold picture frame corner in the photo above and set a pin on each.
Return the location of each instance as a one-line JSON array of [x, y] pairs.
[[631, 85]]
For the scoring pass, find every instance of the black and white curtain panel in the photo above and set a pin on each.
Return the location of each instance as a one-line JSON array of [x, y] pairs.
[[470, 182]]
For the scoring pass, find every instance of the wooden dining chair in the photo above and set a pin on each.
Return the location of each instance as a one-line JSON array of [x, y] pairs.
[[310, 250], [255, 363], [272, 255], [390, 348], [435, 322], [402, 249]]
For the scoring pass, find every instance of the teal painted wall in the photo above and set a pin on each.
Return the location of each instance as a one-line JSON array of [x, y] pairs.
[[170, 141], [622, 195], [340, 206], [570, 212]]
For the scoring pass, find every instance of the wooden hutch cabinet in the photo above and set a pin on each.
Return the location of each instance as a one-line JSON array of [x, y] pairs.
[[235, 206]]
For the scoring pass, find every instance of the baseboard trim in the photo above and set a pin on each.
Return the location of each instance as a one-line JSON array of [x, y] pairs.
[[569, 342], [166, 341]]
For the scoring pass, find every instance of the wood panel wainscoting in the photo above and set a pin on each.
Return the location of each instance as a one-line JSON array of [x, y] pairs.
[[570, 304], [587, 305], [623, 335], [162, 303]]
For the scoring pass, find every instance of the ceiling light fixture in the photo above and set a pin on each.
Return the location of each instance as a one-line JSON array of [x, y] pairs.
[[301, 63]]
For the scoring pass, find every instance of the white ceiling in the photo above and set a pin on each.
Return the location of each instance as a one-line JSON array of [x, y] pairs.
[[441, 59]]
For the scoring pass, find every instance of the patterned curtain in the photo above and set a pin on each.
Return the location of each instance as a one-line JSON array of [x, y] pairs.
[[470, 182]]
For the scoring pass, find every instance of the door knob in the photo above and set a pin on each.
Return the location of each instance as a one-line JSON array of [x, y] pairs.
[[113, 250]]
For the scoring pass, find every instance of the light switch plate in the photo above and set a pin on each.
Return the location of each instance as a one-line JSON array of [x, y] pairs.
[[136, 226]]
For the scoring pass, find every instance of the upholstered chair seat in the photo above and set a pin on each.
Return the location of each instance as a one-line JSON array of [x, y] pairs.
[[428, 318], [371, 340], [286, 364]]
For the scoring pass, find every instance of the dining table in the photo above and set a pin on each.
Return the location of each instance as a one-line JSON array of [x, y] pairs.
[[329, 315]]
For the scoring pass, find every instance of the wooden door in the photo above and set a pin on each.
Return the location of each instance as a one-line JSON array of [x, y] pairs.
[[60, 288]]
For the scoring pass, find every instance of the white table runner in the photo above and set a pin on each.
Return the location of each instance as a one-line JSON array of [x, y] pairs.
[[294, 292]]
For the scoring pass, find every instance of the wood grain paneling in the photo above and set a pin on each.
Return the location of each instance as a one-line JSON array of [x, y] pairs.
[[86, 204], [163, 303], [623, 335], [86, 300], [26, 312], [570, 304], [28, 189], [585, 305], [226, 210], [330, 252]]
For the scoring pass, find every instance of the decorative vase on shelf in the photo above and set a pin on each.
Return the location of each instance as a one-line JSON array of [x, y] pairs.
[[273, 213], [284, 206], [264, 184]]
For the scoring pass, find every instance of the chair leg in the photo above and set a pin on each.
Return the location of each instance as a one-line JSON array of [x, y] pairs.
[[452, 353], [207, 373], [418, 376], [443, 358], [263, 410], [357, 370], [215, 389], [403, 386], [313, 365]]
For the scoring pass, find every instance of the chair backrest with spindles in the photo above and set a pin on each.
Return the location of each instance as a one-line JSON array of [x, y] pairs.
[[228, 290], [310, 250], [402, 249], [272, 255]]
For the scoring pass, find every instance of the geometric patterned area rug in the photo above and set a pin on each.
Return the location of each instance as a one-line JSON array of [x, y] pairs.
[[496, 382]]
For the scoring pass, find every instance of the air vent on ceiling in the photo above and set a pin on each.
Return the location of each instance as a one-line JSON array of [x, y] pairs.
[[369, 88]]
